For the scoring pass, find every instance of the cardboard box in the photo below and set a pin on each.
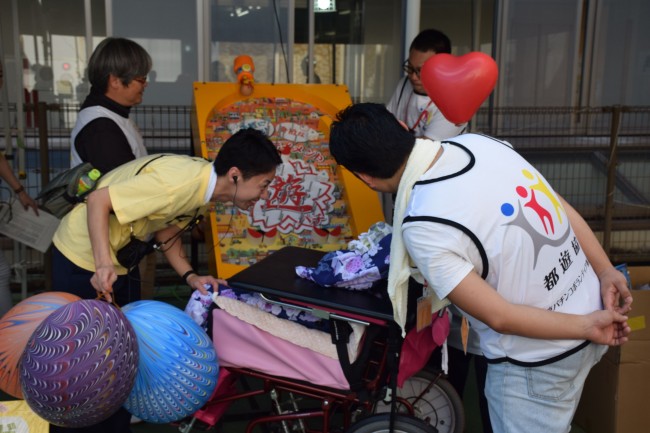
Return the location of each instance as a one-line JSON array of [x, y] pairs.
[[616, 392]]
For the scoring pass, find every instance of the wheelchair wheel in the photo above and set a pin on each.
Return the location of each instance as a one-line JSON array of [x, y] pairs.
[[381, 424], [434, 401]]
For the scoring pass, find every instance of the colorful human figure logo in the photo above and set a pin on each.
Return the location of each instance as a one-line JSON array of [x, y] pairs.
[[528, 195]]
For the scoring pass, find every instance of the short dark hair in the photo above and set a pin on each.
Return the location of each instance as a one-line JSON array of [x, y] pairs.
[[121, 57], [250, 151], [431, 40], [366, 138]]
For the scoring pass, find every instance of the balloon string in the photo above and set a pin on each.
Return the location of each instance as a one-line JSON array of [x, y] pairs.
[[102, 297]]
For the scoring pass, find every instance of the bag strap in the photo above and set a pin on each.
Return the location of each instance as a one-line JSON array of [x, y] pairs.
[[353, 371], [149, 162]]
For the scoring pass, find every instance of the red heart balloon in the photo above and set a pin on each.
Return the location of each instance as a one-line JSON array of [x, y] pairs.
[[459, 85]]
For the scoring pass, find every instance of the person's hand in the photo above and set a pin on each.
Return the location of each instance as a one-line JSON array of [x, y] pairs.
[[614, 289], [27, 201], [103, 279], [607, 327], [197, 282]]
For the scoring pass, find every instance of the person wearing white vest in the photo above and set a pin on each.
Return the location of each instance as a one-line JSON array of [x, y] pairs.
[[104, 135], [487, 232]]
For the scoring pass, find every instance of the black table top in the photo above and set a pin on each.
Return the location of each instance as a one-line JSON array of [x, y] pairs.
[[275, 276]]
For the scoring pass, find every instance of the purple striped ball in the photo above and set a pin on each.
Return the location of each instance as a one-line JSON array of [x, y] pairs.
[[80, 364]]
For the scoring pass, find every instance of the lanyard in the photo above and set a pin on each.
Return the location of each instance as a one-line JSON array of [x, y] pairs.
[[422, 114]]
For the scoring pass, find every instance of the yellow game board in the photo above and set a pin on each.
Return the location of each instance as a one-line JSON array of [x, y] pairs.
[[313, 203]]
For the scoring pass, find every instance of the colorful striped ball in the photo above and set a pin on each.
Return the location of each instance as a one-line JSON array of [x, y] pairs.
[[80, 364], [178, 367], [17, 326]]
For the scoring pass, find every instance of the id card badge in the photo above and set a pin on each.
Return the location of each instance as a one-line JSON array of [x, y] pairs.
[[424, 305]]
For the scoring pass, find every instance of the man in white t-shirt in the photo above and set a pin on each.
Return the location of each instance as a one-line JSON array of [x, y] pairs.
[[410, 102], [484, 228]]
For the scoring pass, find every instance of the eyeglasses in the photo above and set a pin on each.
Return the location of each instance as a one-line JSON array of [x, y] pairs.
[[141, 80], [409, 69]]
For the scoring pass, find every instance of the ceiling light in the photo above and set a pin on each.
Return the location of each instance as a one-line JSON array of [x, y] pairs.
[[324, 5]]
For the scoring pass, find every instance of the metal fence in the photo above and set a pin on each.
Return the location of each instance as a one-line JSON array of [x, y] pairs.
[[596, 158], [44, 148]]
